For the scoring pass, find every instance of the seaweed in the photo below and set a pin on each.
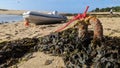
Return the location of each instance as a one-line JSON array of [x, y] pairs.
[[12, 51], [76, 52]]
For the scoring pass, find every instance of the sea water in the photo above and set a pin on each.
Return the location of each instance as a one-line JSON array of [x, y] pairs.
[[10, 18]]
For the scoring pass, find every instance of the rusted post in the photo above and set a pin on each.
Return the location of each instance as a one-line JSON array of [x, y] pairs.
[[26, 23], [98, 28], [96, 24], [82, 29]]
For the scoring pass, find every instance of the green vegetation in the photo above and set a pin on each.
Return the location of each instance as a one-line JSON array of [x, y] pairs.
[[3, 9], [107, 9]]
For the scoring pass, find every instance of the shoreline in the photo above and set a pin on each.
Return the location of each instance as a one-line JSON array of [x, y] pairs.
[[12, 12]]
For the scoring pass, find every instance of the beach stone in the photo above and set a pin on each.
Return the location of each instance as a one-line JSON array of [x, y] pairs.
[[48, 62]]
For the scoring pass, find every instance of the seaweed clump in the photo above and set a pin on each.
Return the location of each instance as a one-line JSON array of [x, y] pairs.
[[82, 52], [76, 52], [12, 51]]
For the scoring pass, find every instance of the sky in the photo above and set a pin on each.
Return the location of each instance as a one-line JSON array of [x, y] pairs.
[[70, 6]]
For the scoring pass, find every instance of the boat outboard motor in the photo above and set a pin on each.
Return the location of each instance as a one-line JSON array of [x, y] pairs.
[[55, 13]]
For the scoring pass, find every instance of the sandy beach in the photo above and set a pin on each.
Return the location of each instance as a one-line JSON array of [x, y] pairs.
[[13, 31], [12, 12], [17, 30], [68, 43]]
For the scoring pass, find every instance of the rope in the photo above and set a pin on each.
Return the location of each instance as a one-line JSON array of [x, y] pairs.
[[79, 16]]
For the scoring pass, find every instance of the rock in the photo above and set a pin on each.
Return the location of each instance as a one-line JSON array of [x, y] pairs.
[[48, 62]]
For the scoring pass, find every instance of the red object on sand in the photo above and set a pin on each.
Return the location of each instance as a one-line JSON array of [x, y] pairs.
[[79, 16], [26, 23]]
